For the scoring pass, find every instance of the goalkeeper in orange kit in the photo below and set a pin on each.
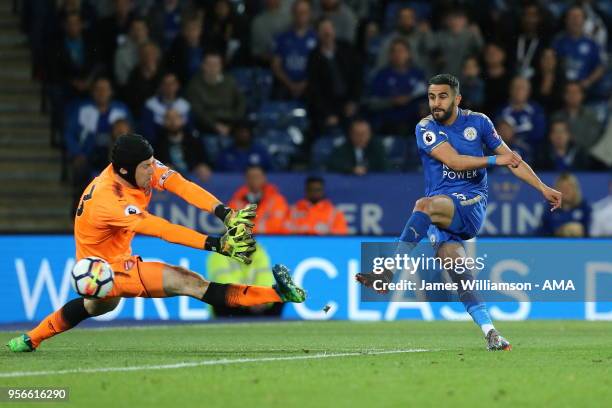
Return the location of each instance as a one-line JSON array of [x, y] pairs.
[[113, 208]]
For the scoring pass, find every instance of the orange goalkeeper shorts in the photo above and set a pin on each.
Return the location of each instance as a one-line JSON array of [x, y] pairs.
[[135, 278]]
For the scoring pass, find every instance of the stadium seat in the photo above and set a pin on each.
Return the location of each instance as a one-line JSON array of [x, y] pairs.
[[255, 84], [279, 115], [399, 153], [322, 150], [283, 145]]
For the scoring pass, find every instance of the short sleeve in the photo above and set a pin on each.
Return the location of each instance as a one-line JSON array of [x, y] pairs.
[[161, 173], [489, 135], [427, 139], [114, 214]]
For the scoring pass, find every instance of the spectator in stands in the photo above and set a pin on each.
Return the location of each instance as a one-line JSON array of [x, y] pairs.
[[118, 128], [224, 269], [342, 18], [112, 31], [496, 78], [334, 80], [601, 225], [526, 45], [185, 56], [472, 85], [508, 135], [272, 206], [226, 32], [418, 35], [72, 68], [583, 124], [244, 151], [315, 214], [596, 22], [574, 217], [548, 81], [88, 134], [360, 154], [165, 19], [291, 50], [562, 154], [266, 25], [369, 46], [180, 149], [156, 107], [128, 53], [396, 91], [456, 42], [526, 117], [580, 55], [144, 79], [215, 99]]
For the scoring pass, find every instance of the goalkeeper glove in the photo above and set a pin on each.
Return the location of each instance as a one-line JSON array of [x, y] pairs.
[[237, 243], [232, 219]]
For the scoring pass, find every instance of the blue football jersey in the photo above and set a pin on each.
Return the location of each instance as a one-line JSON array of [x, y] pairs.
[[468, 134]]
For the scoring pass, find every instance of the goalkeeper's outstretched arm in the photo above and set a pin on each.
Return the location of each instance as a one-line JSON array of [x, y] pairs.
[[524, 172], [198, 197]]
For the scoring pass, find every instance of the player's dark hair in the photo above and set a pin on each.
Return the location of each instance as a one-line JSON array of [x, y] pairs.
[[254, 167], [445, 79], [314, 179]]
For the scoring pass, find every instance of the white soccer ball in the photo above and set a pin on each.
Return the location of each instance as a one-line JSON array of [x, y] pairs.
[[92, 277]]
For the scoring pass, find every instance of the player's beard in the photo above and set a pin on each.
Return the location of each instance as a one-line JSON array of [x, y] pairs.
[[446, 113]]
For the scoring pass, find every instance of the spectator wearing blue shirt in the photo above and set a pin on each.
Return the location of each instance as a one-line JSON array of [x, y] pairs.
[[526, 117], [165, 21], [396, 91], [562, 154], [244, 152], [573, 219], [291, 50], [581, 56], [187, 52], [88, 133], [506, 131], [156, 107]]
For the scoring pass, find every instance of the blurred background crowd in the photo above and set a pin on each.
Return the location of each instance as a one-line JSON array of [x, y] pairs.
[[317, 85]]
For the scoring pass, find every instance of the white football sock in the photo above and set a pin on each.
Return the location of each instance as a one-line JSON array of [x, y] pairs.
[[486, 328]]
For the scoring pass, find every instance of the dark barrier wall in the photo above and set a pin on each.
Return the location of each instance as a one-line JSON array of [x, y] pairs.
[[379, 204]]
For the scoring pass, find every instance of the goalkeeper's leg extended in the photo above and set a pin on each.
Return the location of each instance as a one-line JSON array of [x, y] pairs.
[[158, 280]]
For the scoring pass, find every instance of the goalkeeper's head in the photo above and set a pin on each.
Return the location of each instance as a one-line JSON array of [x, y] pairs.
[[132, 160]]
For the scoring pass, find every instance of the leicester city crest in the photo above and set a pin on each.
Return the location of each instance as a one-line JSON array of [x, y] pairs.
[[470, 133]]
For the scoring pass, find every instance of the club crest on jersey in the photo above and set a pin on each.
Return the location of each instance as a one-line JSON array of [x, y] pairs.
[[470, 133], [132, 210], [429, 138]]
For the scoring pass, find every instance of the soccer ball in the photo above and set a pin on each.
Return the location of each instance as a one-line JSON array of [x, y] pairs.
[[92, 277]]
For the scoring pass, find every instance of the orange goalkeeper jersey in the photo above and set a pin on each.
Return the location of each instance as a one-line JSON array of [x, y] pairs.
[[111, 213]]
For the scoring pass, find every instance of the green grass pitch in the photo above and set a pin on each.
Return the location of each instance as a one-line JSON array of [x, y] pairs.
[[553, 363]]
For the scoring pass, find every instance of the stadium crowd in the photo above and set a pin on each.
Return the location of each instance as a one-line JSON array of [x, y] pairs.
[[332, 85]]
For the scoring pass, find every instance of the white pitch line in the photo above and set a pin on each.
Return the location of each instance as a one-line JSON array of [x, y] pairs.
[[189, 364]]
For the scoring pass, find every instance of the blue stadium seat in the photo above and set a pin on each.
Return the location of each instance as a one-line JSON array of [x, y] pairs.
[[283, 145], [279, 115], [255, 84], [400, 154], [322, 150]]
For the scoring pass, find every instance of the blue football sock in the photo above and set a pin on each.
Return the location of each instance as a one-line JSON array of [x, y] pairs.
[[415, 229], [472, 302]]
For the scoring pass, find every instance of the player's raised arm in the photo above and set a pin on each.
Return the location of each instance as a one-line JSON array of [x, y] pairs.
[[447, 154], [524, 172], [195, 195]]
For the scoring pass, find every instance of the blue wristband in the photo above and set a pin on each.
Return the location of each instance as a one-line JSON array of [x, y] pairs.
[[491, 160]]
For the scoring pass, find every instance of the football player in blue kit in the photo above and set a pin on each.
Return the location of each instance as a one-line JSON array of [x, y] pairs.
[[450, 143]]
